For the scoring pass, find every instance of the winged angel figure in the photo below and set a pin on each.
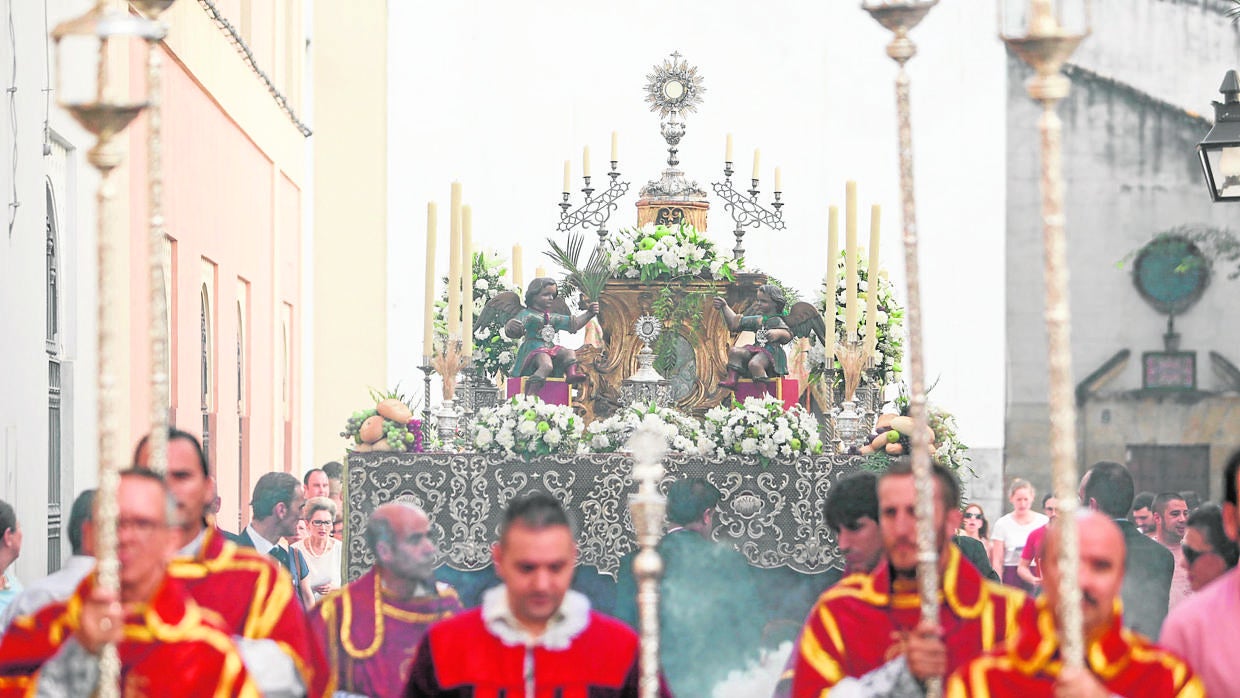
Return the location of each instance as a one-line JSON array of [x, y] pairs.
[[537, 323], [773, 328]]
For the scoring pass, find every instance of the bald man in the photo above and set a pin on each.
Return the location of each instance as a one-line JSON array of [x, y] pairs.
[[1119, 662], [373, 624]]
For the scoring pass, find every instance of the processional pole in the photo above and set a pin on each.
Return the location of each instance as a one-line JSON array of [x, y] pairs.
[[160, 398], [647, 508], [1040, 38], [104, 109], [900, 17]]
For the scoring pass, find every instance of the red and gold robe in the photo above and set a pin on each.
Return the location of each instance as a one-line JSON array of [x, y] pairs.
[[253, 596], [849, 631], [1125, 662], [371, 635], [170, 646]]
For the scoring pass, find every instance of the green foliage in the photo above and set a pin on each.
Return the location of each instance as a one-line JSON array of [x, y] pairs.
[[675, 306]]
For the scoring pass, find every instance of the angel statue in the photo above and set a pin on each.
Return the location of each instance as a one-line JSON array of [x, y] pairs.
[[537, 324], [772, 328]]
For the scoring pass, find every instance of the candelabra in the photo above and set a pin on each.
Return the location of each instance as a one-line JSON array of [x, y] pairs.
[[595, 210], [477, 393], [1042, 40], [647, 507], [900, 17], [746, 211], [102, 108], [427, 370]]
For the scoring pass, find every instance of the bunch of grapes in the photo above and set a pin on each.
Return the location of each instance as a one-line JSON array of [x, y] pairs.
[[353, 426], [398, 436]]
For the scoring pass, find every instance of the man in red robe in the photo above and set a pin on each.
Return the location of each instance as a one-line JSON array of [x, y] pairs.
[[249, 591], [1119, 662], [532, 636], [866, 632], [373, 624], [168, 645]]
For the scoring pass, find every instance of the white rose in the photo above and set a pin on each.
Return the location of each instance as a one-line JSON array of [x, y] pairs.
[[527, 427], [483, 438], [749, 445], [482, 284], [553, 437], [505, 439]]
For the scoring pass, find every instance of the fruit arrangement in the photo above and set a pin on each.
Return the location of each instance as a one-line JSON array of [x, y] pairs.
[[389, 426], [893, 436]]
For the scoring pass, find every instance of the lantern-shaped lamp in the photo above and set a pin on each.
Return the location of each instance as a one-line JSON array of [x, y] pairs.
[[1220, 149]]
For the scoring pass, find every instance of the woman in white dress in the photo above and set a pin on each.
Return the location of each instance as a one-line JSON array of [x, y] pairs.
[[322, 552], [1012, 530]]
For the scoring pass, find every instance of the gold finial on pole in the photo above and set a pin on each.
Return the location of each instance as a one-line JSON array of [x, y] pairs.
[[99, 110], [1045, 43], [648, 507], [900, 18]]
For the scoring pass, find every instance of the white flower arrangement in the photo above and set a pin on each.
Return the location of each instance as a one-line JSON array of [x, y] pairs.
[[610, 435], [760, 427], [661, 252], [525, 426]]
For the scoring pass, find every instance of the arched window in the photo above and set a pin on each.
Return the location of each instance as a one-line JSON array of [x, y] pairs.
[[204, 366]]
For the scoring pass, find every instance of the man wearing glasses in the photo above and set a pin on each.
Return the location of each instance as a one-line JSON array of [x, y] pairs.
[[1205, 629]]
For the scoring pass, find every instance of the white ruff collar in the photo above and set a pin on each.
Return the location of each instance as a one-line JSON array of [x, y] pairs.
[[569, 620]]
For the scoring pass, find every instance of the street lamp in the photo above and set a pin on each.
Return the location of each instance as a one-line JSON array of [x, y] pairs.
[[1220, 149]]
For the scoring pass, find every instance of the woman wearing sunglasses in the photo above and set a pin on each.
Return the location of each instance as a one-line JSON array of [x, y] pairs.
[[974, 525], [322, 552]]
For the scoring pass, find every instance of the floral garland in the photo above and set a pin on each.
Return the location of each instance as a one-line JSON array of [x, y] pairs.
[[660, 252], [493, 351], [525, 426], [889, 322], [610, 435], [760, 427]]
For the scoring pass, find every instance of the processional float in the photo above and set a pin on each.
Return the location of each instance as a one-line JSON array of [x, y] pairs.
[[105, 107]]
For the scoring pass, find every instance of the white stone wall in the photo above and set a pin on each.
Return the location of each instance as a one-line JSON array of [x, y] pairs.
[[23, 172]]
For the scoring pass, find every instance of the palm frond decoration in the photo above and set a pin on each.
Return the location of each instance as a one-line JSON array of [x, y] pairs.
[[590, 279], [1234, 12]]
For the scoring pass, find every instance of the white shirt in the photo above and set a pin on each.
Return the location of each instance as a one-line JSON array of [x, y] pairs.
[[261, 544], [1014, 535]]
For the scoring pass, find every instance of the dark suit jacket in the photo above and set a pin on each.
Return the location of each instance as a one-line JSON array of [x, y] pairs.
[[975, 552], [291, 559], [1147, 581]]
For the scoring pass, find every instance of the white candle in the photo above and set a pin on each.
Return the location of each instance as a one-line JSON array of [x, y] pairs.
[[779, 179], [1042, 18], [568, 176], [615, 147], [727, 154], [871, 293], [467, 290], [428, 309], [833, 261], [539, 272], [757, 156], [585, 162], [454, 264], [850, 260], [518, 271]]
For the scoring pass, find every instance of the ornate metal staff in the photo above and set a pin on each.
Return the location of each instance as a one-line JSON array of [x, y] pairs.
[[1045, 46], [105, 113], [900, 17], [647, 508], [152, 9]]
